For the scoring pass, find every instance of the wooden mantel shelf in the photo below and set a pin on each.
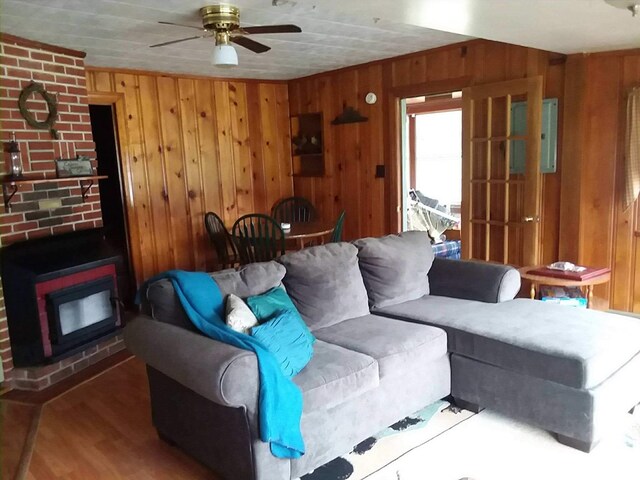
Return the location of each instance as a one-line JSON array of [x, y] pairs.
[[11, 185]]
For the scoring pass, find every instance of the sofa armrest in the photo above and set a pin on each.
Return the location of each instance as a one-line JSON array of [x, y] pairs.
[[473, 280], [222, 373]]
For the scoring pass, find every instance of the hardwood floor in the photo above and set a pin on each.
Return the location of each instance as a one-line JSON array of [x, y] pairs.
[[102, 430], [18, 423]]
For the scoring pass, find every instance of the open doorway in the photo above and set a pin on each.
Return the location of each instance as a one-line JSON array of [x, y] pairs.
[[103, 127], [432, 169]]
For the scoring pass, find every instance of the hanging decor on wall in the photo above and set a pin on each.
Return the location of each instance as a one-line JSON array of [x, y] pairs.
[[74, 167], [348, 115], [13, 150], [52, 106]]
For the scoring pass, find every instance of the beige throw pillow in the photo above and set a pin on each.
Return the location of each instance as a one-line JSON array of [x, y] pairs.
[[238, 315]]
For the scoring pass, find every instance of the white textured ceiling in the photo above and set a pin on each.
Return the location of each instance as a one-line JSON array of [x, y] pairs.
[[118, 33], [336, 33]]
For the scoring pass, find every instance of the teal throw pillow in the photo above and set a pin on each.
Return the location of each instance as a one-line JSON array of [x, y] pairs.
[[286, 337], [272, 302]]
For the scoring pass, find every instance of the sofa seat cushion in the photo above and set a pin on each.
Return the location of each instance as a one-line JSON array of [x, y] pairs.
[[575, 347], [396, 345], [335, 375]]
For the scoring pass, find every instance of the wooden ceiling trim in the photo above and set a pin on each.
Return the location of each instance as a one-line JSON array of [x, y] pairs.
[[431, 105], [155, 73]]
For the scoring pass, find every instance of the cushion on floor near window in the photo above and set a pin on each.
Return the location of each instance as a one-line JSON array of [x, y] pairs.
[[287, 338]]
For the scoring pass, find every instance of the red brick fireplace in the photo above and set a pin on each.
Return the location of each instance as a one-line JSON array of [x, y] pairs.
[[50, 208]]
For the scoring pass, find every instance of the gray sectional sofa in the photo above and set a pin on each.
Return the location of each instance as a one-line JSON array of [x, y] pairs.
[[396, 330]]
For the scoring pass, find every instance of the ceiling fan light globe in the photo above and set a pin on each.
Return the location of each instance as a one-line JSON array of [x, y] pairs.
[[224, 56]]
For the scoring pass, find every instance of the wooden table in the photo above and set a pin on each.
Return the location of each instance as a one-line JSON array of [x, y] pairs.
[[305, 231], [563, 282]]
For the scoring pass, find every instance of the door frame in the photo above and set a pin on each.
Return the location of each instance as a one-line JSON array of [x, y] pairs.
[[117, 102], [394, 144]]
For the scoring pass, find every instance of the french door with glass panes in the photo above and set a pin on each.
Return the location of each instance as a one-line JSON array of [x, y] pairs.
[[501, 206]]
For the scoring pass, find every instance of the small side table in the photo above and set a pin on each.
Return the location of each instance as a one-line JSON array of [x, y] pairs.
[[562, 282]]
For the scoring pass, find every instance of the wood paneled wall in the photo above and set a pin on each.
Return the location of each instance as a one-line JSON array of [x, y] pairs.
[[194, 145], [596, 228], [352, 151]]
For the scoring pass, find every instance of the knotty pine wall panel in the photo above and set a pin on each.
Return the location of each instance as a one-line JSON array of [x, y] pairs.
[[596, 227], [194, 145], [627, 244], [352, 151]]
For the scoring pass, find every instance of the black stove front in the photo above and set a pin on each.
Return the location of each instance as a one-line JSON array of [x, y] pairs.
[[61, 295]]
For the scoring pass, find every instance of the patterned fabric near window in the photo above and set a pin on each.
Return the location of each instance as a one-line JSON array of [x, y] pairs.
[[428, 219], [447, 249]]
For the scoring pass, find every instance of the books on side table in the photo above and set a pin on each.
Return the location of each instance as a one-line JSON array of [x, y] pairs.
[[570, 296]]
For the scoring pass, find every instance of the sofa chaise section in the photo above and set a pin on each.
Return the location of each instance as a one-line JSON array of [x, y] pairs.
[[567, 370]]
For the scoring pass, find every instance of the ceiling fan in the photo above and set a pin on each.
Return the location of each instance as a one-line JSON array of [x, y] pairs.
[[222, 22]]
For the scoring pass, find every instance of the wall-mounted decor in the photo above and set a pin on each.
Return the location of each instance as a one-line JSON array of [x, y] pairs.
[[74, 167], [371, 98], [52, 106], [14, 157], [348, 115], [307, 152]]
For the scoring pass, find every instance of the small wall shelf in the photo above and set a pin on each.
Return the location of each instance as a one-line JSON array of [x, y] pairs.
[[10, 186], [307, 149]]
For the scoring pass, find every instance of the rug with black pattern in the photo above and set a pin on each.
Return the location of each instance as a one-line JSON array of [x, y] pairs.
[[390, 444]]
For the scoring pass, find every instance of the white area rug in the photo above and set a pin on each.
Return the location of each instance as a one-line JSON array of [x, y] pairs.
[[375, 452], [489, 446]]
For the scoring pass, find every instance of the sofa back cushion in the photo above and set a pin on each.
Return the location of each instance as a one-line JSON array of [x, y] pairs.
[[325, 284], [395, 267], [252, 279]]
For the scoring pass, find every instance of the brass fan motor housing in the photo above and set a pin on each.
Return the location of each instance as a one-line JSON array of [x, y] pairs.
[[220, 17]]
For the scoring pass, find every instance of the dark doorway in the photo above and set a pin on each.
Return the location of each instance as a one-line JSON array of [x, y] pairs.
[[114, 217]]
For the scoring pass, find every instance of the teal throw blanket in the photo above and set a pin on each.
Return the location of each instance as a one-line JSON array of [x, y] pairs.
[[280, 402]]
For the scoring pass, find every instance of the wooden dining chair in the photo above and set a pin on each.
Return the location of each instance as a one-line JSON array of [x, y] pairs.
[[336, 236], [294, 210], [259, 238], [226, 251]]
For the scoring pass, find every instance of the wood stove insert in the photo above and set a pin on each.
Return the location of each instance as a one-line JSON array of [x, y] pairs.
[[61, 295]]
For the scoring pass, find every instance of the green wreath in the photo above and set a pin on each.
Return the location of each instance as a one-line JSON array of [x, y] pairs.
[[52, 105]]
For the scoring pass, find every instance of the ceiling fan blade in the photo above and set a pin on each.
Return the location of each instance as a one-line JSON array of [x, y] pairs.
[[176, 41], [181, 25], [272, 29], [250, 44]]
